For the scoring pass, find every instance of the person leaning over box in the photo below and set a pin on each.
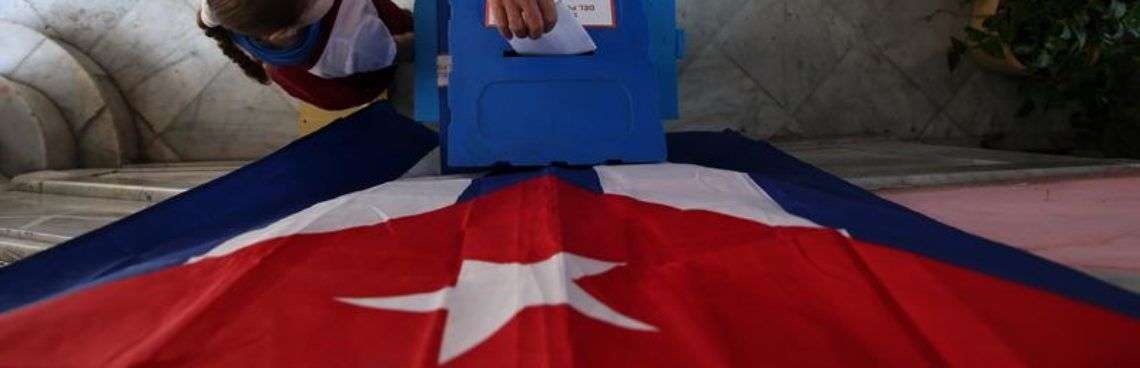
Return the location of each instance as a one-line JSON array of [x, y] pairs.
[[337, 54]]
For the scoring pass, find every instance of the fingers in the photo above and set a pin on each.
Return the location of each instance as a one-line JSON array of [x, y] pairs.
[[524, 18], [549, 14], [514, 19], [533, 18], [501, 15]]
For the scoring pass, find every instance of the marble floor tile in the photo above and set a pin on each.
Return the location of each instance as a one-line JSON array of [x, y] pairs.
[[167, 94], [176, 179], [18, 42], [70, 226], [15, 203], [82, 22], [866, 95], [22, 13], [942, 128], [85, 95], [149, 37], [862, 13], [715, 88], [788, 47], [153, 148], [101, 145], [33, 134], [716, 94], [16, 222], [915, 35], [51, 69], [985, 104], [159, 58], [704, 22], [206, 130]]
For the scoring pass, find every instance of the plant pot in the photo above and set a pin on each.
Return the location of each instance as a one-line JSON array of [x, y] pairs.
[[983, 9]]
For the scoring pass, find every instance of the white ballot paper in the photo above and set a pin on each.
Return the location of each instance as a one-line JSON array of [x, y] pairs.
[[567, 38]]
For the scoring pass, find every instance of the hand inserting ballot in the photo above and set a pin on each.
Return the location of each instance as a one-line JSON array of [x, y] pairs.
[[524, 18]]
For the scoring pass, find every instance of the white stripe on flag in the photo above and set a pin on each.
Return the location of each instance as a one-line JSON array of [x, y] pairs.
[[373, 206], [691, 187], [428, 166]]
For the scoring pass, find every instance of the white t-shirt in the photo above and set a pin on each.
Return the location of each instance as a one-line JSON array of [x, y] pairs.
[[359, 43]]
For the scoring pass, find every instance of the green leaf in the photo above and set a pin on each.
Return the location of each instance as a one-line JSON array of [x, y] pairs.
[[1118, 9], [1043, 60], [1055, 39]]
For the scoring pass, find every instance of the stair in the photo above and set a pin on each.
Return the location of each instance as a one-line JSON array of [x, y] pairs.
[[140, 183], [42, 209], [50, 207], [12, 249], [32, 222]]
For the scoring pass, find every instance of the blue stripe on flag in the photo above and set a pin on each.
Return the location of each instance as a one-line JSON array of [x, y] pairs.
[[373, 146], [584, 178], [811, 193]]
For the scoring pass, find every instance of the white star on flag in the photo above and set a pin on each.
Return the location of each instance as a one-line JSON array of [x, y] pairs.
[[488, 295]]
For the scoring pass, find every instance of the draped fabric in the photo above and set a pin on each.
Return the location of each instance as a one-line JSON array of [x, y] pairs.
[[348, 248]]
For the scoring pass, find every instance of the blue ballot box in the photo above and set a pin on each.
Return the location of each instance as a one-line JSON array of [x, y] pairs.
[[497, 107]]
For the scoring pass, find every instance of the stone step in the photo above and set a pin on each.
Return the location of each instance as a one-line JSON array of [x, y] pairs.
[[87, 98], [30, 222], [33, 134], [871, 164], [12, 249], [143, 183], [877, 164]]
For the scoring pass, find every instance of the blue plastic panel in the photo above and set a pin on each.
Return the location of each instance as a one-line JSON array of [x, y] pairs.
[[667, 45], [578, 110], [665, 40], [428, 26]]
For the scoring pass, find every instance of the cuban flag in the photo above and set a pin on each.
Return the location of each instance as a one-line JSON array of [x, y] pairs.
[[345, 250]]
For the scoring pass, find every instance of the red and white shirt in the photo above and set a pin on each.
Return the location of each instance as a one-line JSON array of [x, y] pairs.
[[354, 61]]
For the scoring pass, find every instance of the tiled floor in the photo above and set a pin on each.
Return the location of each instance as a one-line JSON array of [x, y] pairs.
[[30, 222], [1091, 224], [189, 101], [884, 164]]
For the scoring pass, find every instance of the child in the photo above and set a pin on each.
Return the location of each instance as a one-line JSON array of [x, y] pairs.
[[333, 54], [336, 54]]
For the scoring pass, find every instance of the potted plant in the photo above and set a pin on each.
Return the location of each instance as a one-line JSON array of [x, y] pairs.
[[1073, 54]]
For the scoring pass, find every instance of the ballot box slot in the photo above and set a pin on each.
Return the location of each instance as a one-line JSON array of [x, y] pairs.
[[515, 54]]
